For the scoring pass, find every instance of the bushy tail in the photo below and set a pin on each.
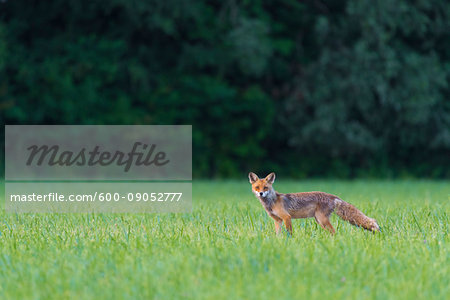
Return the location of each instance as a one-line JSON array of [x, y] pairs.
[[354, 216]]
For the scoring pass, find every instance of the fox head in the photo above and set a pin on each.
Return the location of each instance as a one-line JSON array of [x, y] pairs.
[[261, 187]]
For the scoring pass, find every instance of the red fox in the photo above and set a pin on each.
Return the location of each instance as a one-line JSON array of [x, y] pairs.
[[284, 207]]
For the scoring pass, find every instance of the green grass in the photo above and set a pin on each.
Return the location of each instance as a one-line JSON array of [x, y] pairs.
[[227, 249]]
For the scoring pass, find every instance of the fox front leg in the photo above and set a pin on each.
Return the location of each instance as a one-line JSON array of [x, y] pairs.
[[288, 224], [286, 218], [278, 223]]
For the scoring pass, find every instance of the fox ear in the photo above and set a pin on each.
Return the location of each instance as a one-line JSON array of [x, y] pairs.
[[252, 177], [270, 178]]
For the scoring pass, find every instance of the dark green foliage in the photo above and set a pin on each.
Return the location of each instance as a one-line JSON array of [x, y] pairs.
[[315, 88]]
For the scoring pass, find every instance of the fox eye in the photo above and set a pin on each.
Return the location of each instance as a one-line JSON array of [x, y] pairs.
[[266, 188]]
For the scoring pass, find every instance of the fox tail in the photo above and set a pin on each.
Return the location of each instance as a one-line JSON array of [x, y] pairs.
[[354, 216]]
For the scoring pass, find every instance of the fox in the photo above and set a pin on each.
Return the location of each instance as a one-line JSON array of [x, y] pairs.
[[284, 207]]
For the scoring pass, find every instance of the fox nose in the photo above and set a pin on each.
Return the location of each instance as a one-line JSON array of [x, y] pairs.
[[260, 193]]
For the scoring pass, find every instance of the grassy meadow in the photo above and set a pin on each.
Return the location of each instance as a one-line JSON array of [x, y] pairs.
[[227, 249]]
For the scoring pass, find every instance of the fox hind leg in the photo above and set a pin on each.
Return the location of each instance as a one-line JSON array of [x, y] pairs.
[[324, 221]]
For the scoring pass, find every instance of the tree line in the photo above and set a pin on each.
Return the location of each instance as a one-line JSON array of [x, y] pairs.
[[343, 88]]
